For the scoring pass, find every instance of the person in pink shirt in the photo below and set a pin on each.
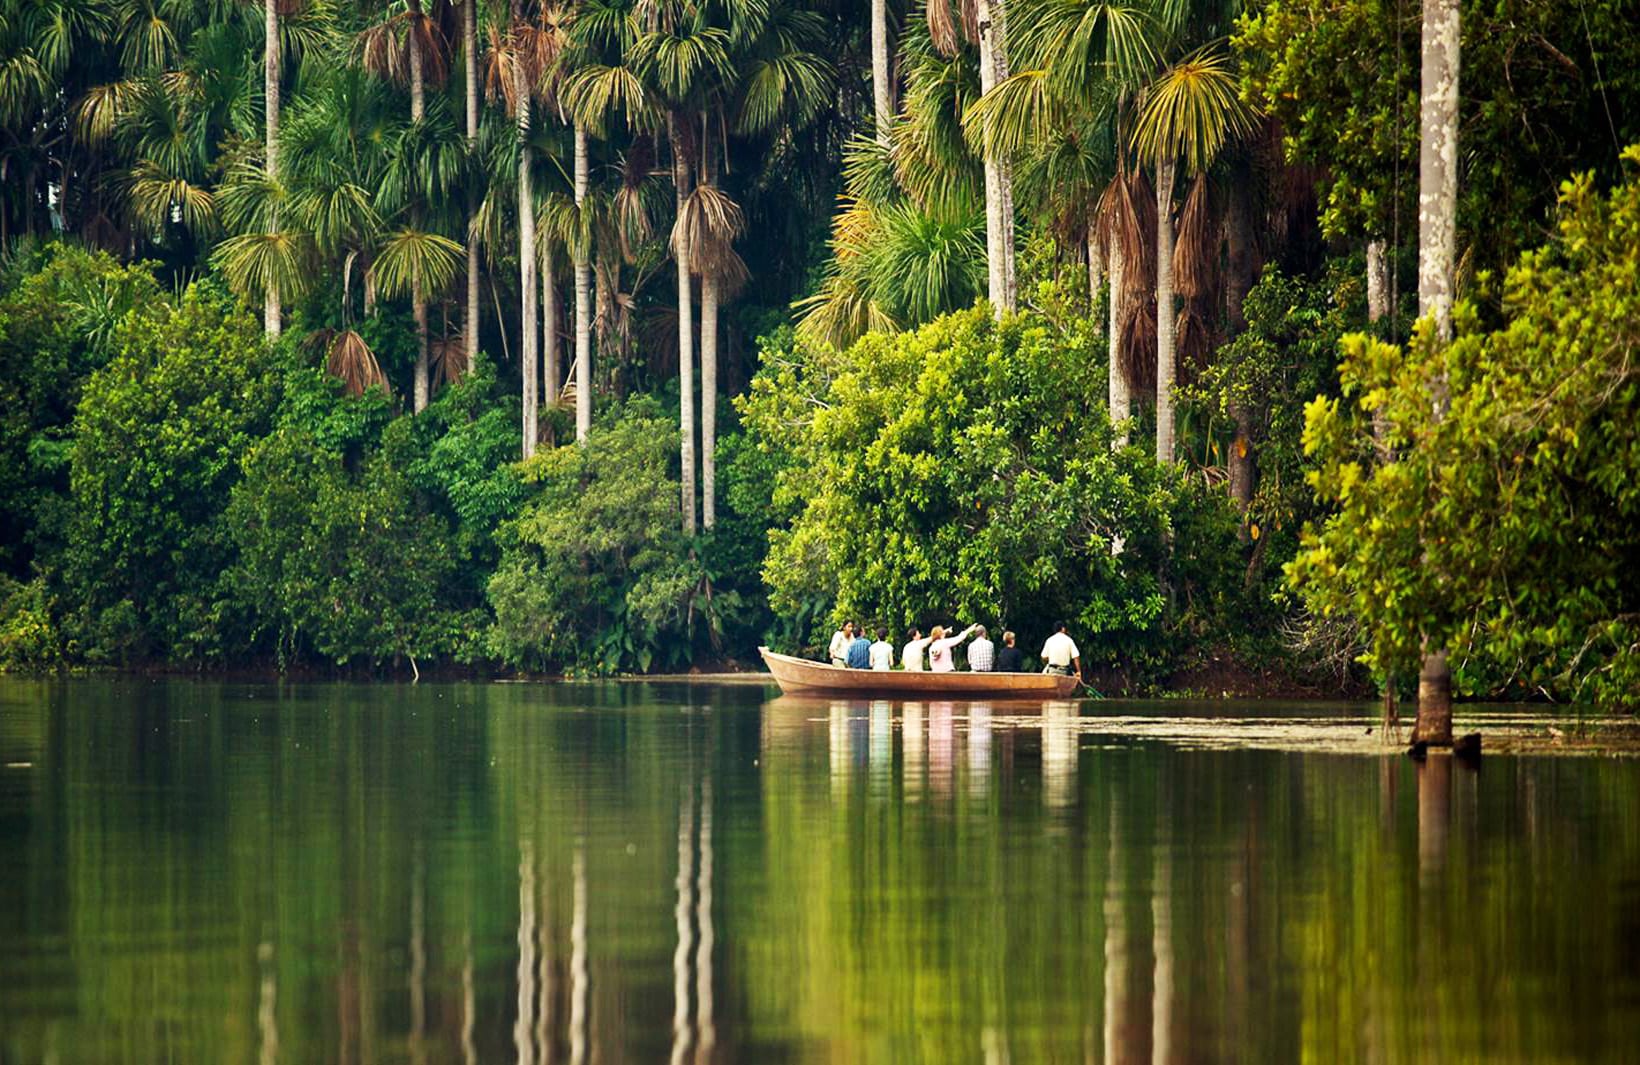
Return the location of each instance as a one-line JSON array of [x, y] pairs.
[[939, 647]]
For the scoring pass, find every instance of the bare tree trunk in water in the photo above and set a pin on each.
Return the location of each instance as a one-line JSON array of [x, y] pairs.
[[686, 338], [881, 93], [583, 298], [1121, 404], [469, 43], [271, 324], [1437, 241], [999, 216], [1164, 311]]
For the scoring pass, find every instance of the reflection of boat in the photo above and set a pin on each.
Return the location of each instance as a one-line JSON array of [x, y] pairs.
[[800, 675]]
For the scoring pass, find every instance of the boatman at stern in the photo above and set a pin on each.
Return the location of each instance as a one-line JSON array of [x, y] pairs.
[[1060, 654]]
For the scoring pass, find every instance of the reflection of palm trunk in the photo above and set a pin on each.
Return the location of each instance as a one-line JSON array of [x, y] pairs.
[[881, 750], [681, 1036], [1118, 1043], [418, 958], [979, 749], [469, 1050], [914, 755], [1161, 986], [267, 1012], [704, 1004], [1059, 750], [578, 962], [527, 993]]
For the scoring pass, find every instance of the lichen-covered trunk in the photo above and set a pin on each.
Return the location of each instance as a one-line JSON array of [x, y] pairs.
[[528, 289], [881, 95], [469, 43], [999, 213], [708, 399], [1437, 244], [583, 298], [1120, 402], [1164, 311], [418, 297], [270, 86], [551, 367], [686, 338]]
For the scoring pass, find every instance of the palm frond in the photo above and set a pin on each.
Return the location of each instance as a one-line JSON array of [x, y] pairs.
[[410, 256], [1191, 111], [348, 357]]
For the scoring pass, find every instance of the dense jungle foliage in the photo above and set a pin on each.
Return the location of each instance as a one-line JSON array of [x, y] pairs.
[[631, 334]]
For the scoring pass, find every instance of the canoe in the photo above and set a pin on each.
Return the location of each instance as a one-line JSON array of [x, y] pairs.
[[799, 675]]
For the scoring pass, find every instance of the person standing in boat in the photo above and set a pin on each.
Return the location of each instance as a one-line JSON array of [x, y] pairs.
[[1009, 659], [839, 644], [982, 652], [912, 657], [1060, 654], [859, 649], [940, 645], [882, 652]]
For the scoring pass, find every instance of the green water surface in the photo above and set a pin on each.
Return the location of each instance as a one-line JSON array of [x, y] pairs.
[[214, 873]]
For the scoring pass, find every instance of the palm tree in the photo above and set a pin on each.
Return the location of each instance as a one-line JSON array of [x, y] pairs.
[[270, 76], [469, 47], [409, 48], [1437, 240], [1188, 114], [881, 91]]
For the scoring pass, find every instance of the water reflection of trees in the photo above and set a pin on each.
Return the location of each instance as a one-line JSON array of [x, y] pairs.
[[468, 874]]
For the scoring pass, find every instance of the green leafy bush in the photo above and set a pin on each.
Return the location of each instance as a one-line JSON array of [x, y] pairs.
[[594, 572], [965, 472], [1505, 529]]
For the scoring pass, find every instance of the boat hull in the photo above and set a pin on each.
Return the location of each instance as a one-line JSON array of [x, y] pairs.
[[800, 676]]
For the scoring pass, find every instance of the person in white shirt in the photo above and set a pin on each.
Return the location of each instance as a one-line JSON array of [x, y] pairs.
[[882, 652], [839, 644], [981, 653], [1060, 653], [912, 657]]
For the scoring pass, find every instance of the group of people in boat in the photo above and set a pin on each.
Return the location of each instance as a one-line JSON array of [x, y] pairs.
[[851, 649]]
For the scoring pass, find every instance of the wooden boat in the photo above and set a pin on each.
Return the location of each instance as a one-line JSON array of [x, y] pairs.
[[800, 676]]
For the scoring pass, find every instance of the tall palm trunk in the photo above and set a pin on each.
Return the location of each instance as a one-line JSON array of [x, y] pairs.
[[528, 290], [1096, 277], [1437, 241], [999, 213], [708, 398], [686, 354], [583, 294], [882, 100], [270, 87], [1120, 402], [551, 368], [1164, 311], [1377, 311], [418, 297], [469, 34]]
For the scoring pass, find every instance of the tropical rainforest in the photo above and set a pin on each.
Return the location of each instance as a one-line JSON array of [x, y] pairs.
[[1292, 339]]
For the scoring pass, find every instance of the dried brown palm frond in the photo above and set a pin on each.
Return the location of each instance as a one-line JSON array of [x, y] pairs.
[[1196, 247], [1193, 339], [1136, 346], [1127, 220], [384, 48], [707, 227], [449, 354], [349, 358], [952, 22]]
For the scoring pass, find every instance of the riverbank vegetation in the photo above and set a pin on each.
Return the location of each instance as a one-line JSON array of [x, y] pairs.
[[630, 334]]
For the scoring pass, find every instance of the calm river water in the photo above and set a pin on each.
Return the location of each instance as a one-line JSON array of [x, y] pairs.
[[221, 873]]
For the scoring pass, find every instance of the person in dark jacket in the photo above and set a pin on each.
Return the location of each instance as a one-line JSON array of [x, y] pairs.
[[1009, 660], [859, 650]]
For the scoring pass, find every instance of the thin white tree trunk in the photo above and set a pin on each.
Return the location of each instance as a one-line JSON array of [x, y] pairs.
[[1437, 250], [708, 398], [271, 324], [418, 298], [529, 326], [882, 100], [1164, 311], [686, 353], [1377, 281], [1120, 402], [583, 298], [1096, 278], [551, 367], [993, 67], [469, 34]]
